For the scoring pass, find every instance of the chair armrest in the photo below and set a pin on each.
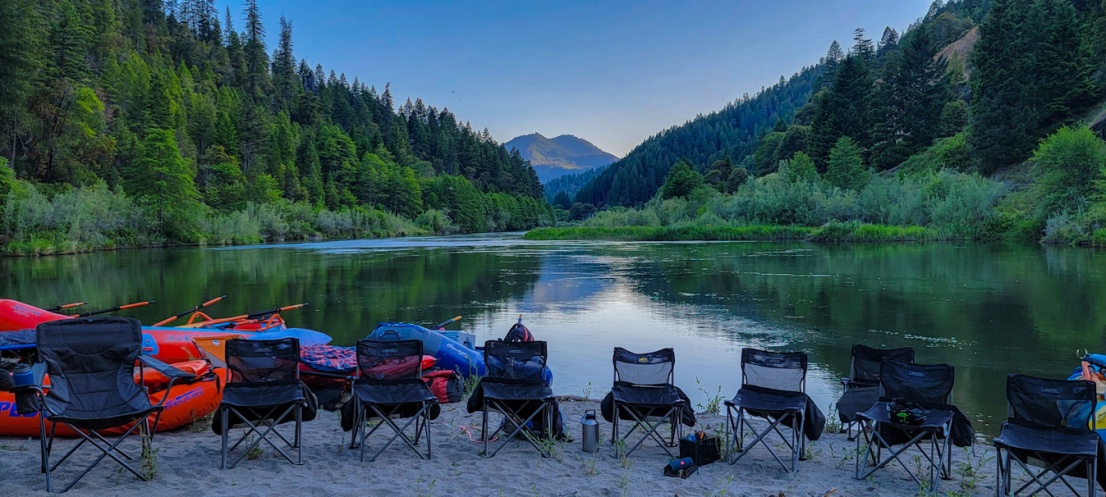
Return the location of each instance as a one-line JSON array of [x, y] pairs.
[[171, 372]]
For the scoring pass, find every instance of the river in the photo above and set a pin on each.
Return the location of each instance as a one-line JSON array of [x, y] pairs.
[[989, 310]]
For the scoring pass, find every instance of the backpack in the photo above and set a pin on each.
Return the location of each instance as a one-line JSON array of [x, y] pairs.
[[518, 333]]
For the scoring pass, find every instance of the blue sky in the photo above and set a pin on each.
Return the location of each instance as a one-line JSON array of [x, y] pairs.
[[612, 72]]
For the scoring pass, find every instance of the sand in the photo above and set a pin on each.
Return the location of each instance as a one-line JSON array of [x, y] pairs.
[[187, 463]]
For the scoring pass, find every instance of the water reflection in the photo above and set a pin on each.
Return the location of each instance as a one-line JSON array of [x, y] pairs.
[[987, 309]]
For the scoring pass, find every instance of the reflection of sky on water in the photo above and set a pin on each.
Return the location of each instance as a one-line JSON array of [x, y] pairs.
[[584, 306]]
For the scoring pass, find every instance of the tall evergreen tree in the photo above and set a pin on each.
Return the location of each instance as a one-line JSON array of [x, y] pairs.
[[161, 179], [21, 45]]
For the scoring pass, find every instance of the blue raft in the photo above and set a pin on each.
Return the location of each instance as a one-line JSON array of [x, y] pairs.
[[451, 354]]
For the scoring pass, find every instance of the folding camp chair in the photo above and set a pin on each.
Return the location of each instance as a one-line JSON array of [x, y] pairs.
[[644, 392], [1050, 427], [773, 387], [91, 366], [915, 408], [861, 388], [263, 389], [390, 386], [515, 387]]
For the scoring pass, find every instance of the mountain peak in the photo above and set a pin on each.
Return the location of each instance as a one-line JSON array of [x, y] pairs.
[[556, 157]]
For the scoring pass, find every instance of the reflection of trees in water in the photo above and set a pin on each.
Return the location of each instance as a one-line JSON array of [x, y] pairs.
[[988, 309], [349, 292]]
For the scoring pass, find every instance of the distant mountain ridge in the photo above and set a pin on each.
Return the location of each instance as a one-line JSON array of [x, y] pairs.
[[556, 157]]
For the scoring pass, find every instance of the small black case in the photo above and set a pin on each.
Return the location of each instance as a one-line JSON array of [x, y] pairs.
[[703, 451]]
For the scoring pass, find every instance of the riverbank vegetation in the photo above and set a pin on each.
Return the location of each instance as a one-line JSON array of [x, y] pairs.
[[132, 123]]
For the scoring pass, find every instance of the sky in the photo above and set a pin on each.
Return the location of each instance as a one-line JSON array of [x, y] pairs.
[[613, 72]]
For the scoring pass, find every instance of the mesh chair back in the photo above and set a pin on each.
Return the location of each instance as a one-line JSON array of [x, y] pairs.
[[921, 383], [91, 366], [389, 360], [865, 364], [516, 361], [262, 361], [776, 370], [1050, 403], [650, 368]]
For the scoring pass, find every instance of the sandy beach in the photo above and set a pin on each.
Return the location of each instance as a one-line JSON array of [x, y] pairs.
[[188, 464]]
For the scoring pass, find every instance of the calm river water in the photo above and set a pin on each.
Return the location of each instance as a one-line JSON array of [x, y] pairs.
[[987, 309]]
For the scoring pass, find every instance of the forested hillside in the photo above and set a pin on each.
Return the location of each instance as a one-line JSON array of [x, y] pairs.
[[197, 132], [902, 131], [733, 133]]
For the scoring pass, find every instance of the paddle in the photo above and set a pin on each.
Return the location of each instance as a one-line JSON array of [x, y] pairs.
[[166, 321], [116, 308], [65, 306], [252, 315], [447, 322]]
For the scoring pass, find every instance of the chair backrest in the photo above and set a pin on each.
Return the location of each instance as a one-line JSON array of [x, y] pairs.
[[516, 361], [921, 383], [1047, 402], [91, 365], [650, 368], [263, 361], [389, 360], [865, 364], [776, 370]]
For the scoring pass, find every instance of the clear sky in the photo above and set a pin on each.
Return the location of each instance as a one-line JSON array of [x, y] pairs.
[[611, 72]]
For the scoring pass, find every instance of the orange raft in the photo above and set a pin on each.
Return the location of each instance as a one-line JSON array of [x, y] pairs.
[[186, 403]]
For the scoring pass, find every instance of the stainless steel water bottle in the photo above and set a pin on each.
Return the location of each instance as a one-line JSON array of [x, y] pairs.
[[589, 435]]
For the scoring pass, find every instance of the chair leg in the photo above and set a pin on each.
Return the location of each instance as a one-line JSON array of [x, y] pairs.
[[1092, 469], [484, 429], [426, 429], [225, 417], [299, 434], [614, 429], [45, 449], [999, 477]]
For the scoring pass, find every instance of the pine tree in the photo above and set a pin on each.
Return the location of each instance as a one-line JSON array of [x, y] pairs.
[[161, 179], [21, 59], [285, 79], [845, 167]]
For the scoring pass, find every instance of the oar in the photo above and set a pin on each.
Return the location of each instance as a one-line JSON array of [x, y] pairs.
[[252, 315], [116, 308], [166, 321], [65, 306], [447, 322]]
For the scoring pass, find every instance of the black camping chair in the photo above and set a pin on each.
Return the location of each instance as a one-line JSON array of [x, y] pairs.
[[1048, 428], [515, 388], [773, 387], [91, 366], [861, 388], [263, 390], [390, 386], [644, 392], [914, 408]]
